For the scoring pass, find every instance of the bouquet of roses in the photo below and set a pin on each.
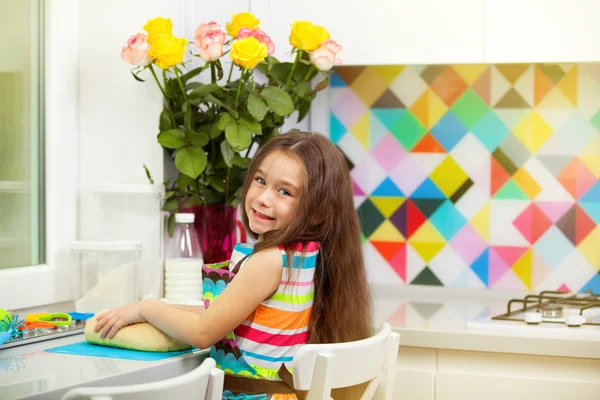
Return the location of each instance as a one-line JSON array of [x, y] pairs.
[[209, 126]]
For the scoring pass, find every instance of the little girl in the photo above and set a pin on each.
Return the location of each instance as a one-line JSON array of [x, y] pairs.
[[303, 281]]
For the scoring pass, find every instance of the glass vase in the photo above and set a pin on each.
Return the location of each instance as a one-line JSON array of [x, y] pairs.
[[216, 227]]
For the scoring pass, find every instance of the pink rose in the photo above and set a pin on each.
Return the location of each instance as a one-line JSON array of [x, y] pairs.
[[136, 51], [325, 56], [210, 40], [258, 35]]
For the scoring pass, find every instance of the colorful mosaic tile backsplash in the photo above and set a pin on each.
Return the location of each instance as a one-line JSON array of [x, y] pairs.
[[482, 176]]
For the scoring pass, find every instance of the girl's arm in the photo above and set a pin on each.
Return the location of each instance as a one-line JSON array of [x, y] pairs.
[[193, 309], [255, 282]]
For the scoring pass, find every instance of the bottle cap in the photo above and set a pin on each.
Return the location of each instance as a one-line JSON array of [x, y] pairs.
[[184, 218]]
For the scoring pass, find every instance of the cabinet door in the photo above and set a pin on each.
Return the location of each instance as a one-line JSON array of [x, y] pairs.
[[384, 32], [452, 386], [415, 374], [411, 384], [541, 30], [475, 375]]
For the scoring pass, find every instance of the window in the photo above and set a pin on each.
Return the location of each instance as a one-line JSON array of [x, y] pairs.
[[38, 149], [21, 135]]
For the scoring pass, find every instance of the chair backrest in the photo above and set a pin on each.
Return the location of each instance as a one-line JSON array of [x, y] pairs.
[[319, 368], [203, 383]]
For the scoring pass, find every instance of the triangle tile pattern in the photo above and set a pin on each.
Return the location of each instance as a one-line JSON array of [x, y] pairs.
[[493, 168]]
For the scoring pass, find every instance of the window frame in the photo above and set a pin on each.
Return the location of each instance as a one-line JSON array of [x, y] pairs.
[[49, 283]]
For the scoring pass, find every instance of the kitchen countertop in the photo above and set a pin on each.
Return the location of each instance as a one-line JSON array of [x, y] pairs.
[[27, 372], [432, 318], [425, 317]]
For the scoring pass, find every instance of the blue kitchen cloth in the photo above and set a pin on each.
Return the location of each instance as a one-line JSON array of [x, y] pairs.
[[92, 350]]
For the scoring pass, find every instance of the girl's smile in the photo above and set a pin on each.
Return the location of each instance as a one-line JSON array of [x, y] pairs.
[[261, 216]]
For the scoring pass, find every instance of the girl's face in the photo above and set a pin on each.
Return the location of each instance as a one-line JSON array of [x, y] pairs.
[[272, 197]]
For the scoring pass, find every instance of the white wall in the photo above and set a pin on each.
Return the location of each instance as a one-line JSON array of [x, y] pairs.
[[117, 115]]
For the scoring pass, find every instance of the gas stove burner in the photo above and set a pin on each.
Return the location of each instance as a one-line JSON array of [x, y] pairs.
[[551, 311], [548, 314], [574, 320]]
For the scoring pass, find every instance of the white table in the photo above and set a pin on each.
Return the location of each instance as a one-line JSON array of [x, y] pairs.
[[28, 372]]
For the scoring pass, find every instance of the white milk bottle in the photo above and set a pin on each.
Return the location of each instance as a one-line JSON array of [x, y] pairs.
[[183, 262]]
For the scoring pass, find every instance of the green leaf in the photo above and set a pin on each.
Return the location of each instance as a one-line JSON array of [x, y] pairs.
[[171, 224], [301, 89], [164, 121], [208, 171], [203, 90], [169, 194], [212, 99], [137, 78], [193, 85], [268, 121], [225, 119], [263, 68], [191, 161], [257, 107], [192, 201], [199, 139], [323, 84], [187, 116], [271, 60], [303, 108], [227, 153], [211, 196], [214, 131], [305, 71], [219, 70], [280, 72], [196, 101], [242, 162], [148, 175], [249, 122], [196, 71], [238, 136], [183, 181], [172, 139], [171, 205], [269, 135], [217, 183], [278, 100], [204, 129]]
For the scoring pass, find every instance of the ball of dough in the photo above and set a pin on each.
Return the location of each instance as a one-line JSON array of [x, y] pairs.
[[141, 336]]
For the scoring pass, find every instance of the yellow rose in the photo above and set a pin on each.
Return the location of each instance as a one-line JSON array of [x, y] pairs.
[[157, 28], [306, 36], [248, 52], [241, 20], [168, 51]]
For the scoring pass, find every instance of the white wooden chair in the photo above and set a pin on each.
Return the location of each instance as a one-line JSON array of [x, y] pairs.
[[319, 368], [203, 383]]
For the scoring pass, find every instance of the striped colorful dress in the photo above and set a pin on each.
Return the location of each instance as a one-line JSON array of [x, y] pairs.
[[271, 335]]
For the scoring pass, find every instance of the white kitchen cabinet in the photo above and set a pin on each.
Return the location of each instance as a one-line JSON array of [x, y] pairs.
[[415, 374], [457, 386], [383, 32], [527, 31], [474, 375], [440, 374]]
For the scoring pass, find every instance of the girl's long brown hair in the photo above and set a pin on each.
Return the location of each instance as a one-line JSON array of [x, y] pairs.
[[341, 309]]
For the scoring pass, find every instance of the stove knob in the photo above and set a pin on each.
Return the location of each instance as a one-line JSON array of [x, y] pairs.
[[533, 317], [574, 320]]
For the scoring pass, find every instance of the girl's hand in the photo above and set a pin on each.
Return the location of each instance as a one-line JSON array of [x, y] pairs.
[[111, 321]]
